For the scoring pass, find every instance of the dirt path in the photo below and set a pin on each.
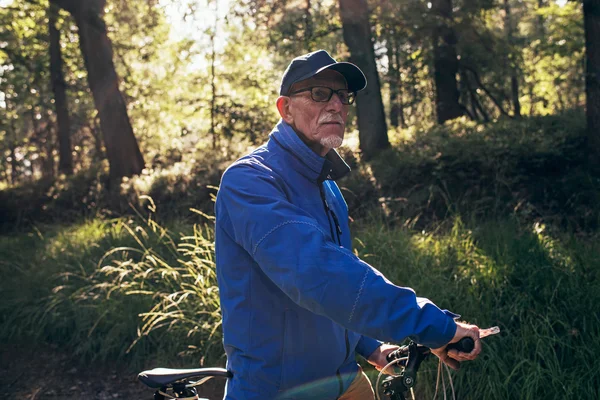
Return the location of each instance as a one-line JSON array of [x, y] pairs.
[[44, 373]]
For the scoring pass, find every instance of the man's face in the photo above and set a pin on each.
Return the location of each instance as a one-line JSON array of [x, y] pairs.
[[320, 124]]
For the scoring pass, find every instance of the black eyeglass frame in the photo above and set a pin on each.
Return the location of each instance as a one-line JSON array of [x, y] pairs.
[[351, 94]]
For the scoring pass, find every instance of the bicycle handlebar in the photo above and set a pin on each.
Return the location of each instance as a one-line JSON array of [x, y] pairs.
[[410, 357], [466, 345]]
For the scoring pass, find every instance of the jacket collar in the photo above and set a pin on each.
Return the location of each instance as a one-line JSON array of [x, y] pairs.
[[315, 167]]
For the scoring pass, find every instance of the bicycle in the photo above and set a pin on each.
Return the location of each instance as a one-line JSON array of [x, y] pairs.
[[181, 383]]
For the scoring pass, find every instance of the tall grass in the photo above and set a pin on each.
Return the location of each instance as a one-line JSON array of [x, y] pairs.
[[134, 291], [541, 288], [126, 290]]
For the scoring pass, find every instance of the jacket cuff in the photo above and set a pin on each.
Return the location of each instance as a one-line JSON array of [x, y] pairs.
[[451, 314], [366, 346], [448, 333]]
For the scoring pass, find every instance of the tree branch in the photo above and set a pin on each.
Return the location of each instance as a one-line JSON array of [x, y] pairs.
[[486, 91]]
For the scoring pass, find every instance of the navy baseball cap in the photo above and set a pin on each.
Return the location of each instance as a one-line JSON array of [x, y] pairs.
[[310, 64]]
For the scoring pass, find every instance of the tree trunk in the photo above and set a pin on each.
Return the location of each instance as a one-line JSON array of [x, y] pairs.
[[11, 138], [512, 64], [541, 30], [591, 16], [308, 26], [213, 89], [514, 85], [372, 126], [122, 149], [14, 175], [65, 164], [96, 132], [393, 77], [445, 62]]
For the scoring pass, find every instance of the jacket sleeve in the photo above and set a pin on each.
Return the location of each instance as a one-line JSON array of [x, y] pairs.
[[366, 346], [297, 255]]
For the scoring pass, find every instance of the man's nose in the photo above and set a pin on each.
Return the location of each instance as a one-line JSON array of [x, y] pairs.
[[335, 103]]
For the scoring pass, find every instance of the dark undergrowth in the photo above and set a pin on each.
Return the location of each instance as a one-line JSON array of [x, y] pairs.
[[534, 168]]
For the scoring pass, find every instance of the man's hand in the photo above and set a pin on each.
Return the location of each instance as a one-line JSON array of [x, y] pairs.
[[453, 358], [378, 357]]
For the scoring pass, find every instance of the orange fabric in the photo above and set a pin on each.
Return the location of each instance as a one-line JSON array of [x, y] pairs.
[[360, 388]]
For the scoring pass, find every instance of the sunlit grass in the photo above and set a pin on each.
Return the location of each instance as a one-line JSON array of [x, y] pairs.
[[133, 290], [128, 289], [541, 288]]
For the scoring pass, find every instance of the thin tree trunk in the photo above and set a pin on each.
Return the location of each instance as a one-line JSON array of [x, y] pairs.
[[486, 91], [122, 150], [591, 16], [401, 108], [445, 62], [12, 153], [42, 140], [372, 126], [514, 80], [6, 176], [13, 163], [541, 30], [12, 141], [393, 78], [65, 164], [49, 169], [308, 26], [514, 85], [532, 97], [472, 100], [96, 133], [400, 100], [213, 88]]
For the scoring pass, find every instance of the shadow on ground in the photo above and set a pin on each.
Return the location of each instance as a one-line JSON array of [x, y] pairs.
[[44, 373]]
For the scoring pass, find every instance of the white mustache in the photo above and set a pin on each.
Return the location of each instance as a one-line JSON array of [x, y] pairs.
[[332, 118]]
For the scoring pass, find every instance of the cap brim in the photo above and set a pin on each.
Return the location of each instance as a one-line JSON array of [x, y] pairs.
[[354, 77]]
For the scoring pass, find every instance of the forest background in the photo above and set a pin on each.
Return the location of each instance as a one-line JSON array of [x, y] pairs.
[[474, 152]]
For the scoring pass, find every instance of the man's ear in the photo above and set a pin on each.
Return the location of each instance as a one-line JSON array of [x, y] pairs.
[[283, 106]]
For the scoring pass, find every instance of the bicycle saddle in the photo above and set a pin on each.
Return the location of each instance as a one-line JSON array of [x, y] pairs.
[[160, 377]]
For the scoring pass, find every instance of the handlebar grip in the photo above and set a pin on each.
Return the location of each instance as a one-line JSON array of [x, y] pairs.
[[466, 345]]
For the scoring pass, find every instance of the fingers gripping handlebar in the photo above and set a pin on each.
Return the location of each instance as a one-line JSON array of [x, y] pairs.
[[411, 357], [466, 345]]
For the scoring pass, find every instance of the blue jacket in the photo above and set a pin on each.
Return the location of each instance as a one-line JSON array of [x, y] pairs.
[[297, 304]]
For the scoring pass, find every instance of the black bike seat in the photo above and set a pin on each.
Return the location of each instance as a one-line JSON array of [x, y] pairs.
[[160, 377]]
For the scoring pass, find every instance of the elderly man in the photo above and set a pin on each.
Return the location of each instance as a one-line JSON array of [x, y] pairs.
[[297, 303]]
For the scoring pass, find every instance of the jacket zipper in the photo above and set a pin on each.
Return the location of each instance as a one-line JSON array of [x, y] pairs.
[[329, 212], [338, 231]]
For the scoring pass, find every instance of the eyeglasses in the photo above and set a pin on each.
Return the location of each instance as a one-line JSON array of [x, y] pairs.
[[322, 94]]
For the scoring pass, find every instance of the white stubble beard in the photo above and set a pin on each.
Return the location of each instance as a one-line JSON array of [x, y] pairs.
[[331, 141]]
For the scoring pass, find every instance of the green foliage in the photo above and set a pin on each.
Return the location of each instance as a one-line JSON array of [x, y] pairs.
[[131, 290], [128, 290], [192, 85], [540, 287], [176, 189], [28, 130], [487, 203], [533, 168], [553, 60]]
